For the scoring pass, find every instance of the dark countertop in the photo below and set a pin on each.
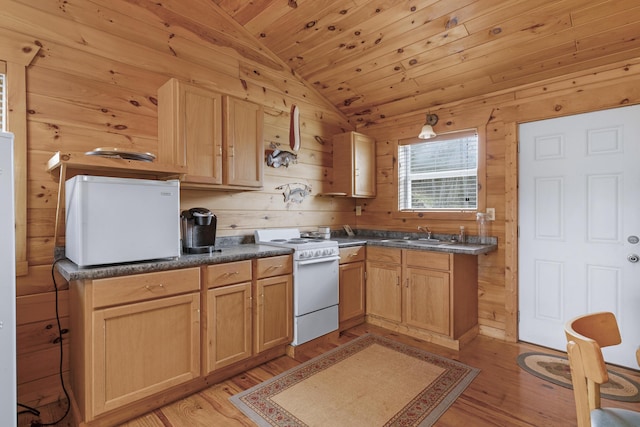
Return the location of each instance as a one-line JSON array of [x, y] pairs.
[[245, 251], [71, 271], [470, 248]]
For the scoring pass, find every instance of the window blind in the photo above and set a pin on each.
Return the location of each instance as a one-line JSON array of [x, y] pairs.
[[440, 173]]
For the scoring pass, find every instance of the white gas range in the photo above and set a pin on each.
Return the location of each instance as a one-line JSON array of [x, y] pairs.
[[315, 281]]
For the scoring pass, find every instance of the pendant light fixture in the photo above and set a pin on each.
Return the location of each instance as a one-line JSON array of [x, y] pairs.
[[427, 130]]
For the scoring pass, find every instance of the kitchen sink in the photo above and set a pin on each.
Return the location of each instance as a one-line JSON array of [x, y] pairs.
[[420, 242]]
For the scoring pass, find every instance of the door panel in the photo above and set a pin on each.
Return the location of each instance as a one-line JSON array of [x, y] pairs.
[[578, 205]]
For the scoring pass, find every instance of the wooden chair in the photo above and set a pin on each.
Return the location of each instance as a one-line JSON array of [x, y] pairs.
[[586, 335]]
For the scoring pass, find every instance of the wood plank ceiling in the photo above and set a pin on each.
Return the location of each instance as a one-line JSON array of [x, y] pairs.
[[381, 58]]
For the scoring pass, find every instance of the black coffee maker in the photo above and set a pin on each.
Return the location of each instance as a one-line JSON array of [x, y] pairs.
[[198, 226]]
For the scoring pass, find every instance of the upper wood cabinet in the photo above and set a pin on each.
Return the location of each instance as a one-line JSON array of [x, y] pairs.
[[242, 143], [354, 165], [217, 138]]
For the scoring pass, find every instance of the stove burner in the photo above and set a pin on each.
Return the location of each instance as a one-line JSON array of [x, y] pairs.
[[298, 240], [278, 240]]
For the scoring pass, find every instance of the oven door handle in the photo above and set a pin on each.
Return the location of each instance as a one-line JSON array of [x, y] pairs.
[[318, 260]]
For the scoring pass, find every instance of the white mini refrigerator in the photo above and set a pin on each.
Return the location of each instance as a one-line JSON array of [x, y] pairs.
[[117, 220], [8, 399]]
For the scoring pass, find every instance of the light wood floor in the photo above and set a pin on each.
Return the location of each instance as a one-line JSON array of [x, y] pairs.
[[501, 395]]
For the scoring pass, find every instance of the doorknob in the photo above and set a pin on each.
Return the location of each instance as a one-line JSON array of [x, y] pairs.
[[633, 258]]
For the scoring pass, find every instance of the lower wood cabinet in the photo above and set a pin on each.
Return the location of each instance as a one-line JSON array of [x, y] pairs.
[[228, 314], [143, 340], [248, 309], [273, 314], [134, 336], [431, 295], [427, 297], [351, 308], [384, 290]]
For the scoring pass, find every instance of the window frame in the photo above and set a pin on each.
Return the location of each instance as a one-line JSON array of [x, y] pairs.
[[17, 54], [443, 213]]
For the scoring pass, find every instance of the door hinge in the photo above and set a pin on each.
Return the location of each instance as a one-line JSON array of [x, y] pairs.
[[518, 316]]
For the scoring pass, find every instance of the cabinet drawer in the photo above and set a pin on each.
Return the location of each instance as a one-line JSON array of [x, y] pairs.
[[351, 254], [141, 287], [228, 273], [273, 266], [380, 254], [433, 260]]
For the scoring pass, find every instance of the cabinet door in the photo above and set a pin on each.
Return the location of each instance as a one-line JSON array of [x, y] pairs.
[[427, 302], [228, 325], [364, 166], [243, 142], [190, 131], [384, 293], [354, 164], [351, 291], [143, 348], [274, 312]]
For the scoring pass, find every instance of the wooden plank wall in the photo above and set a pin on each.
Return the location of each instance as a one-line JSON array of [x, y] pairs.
[[94, 84], [595, 89]]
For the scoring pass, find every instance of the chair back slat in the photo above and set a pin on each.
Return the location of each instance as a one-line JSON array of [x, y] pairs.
[[600, 327]]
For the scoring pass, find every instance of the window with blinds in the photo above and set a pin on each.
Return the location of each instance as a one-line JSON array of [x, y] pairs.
[[440, 173]]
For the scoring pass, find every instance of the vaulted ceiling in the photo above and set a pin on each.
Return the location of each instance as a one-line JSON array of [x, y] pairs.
[[380, 58]]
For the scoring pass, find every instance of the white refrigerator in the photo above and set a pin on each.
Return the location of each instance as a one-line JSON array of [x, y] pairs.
[[8, 398]]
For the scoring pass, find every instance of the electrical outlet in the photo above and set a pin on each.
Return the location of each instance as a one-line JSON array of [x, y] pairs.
[[491, 214], [358, 210]]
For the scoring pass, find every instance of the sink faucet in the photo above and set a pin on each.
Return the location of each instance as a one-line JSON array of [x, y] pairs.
[[425, 230]]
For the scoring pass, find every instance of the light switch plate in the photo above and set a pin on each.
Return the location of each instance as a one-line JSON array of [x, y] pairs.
[[491, 214]]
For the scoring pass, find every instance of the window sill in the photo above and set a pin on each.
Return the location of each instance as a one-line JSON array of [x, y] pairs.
[[437, 215]]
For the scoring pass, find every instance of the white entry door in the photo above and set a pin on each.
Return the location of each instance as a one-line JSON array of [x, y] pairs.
[[579, 218]]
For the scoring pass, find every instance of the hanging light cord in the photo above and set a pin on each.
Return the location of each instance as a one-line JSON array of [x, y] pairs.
[[64, 389]]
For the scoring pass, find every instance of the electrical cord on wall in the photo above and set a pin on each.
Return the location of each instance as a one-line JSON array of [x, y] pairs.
[[64, 389]]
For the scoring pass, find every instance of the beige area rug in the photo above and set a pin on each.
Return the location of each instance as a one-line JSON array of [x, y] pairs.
[[370, 381], [556, 369]]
